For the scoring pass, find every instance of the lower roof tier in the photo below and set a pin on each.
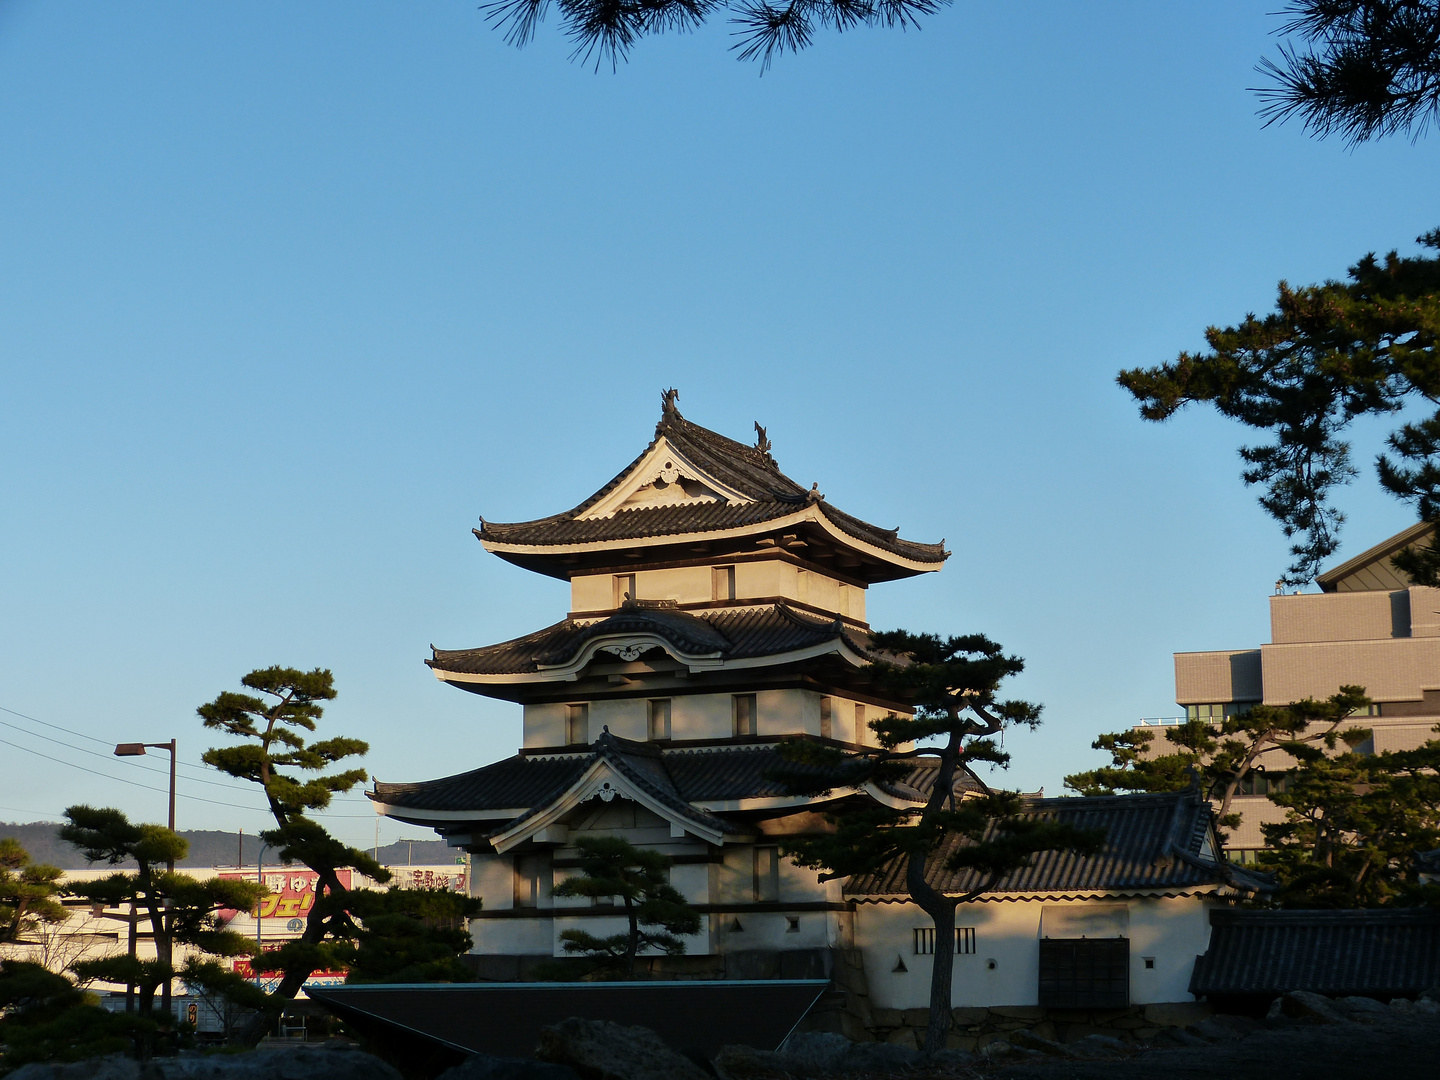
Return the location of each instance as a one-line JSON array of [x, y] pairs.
[[710, 788]]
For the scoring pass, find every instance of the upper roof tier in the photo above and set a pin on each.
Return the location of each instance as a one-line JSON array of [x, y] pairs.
[[696, 494]]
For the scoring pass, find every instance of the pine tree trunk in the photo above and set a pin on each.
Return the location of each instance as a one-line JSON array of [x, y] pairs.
[[938, 906]]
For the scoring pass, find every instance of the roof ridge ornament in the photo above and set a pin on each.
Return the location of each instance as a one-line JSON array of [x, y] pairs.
[[668, 410]]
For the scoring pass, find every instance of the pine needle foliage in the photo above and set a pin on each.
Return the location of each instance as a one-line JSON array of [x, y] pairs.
[[954, 685], [271, 725], [178, 912], [29, 893], [1353, 825], [1220, 754], [637, 880], [1328, 355], [1366, 68], [605, 31], [46, 1017]]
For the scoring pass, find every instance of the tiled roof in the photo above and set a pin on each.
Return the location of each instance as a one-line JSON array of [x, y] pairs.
[[745, 469], [680, 776], [1151, 842], [733, 633], [1384, 953]]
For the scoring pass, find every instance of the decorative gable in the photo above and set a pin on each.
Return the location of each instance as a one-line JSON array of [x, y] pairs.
[[663, 477]]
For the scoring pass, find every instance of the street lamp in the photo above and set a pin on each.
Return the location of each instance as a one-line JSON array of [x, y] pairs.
[[137, 749]]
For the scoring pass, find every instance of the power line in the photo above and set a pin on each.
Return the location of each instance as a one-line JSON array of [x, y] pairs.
[[132, 783]]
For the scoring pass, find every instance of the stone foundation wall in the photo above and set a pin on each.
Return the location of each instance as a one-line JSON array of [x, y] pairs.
[[976, 1028]]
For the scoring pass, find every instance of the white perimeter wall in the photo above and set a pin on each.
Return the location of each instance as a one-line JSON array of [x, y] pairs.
[[1173, 931]]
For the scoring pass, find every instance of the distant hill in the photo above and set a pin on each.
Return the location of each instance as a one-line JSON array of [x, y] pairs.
[[210, 847]]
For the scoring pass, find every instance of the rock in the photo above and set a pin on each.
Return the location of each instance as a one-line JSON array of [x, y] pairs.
[[1177, 1013], [903, 1036], [967, 1016], [1098, 1047], [312, 1061], [101, 1068], [605, 1050], [1402, 1005], [1309, 1008], [1363, 1009], [1429, 1006], [1000, 1050], [1180, 1037], [1021, 1012], [1028, 1040], [1211, 1030], [490, 1067], [951, 1059], [815, 1053], [918, 1018], [879, 1057], [743, 1062], [887, 1017]]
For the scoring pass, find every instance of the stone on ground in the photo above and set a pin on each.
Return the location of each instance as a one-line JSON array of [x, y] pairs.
[[1030, 1041], [815, 1053], [101, 1068], [1362, 1008], [604, 1050], [1307, 1008], [951, 1059], [744, 1062], [317, 1061], [490, 1067], [1099, 1047], [879, 1058]]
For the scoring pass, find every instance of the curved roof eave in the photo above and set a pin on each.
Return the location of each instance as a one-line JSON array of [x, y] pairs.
[[809, 514]]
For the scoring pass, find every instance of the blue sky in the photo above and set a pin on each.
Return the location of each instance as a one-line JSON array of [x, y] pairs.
[[289, 294]]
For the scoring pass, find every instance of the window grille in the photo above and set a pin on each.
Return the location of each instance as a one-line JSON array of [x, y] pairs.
[[722, 583], [744, 714], [624, 587], [925, 941], [660, 719], [577, 725], [767, 875]]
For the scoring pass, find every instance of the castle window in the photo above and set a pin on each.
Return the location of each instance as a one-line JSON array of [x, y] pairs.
[[722, 583], [527, 879], [767, 875], [859, 722], [577, 725], [624, 587], [827, 722], [660, 719], [925, 940], [744, 715]]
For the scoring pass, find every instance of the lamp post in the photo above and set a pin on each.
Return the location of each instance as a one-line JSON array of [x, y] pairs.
[[259, 880], [137, 749]]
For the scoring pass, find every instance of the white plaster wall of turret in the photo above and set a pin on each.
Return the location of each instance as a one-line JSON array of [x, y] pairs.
[[525, 882], [753, 579], [706, 716]]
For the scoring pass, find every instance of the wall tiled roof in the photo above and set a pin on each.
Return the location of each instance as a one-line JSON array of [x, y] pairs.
[[746, 469], [733, 633], [1385, 953], [1151, 842]]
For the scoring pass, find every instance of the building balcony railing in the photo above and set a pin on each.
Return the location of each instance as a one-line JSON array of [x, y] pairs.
[[1160, 721]]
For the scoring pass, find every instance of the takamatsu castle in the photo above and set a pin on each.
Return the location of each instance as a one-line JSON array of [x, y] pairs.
[[718, 607]]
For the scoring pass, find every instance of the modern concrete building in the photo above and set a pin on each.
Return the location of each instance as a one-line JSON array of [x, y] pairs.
[[1368, 626]]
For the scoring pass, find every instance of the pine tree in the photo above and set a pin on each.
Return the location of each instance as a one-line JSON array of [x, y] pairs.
[[179, 912], [953, 684], [408, 935], [1220, 754], [274, 753], [29, 893], [657, 916], [1327, 356], [1372, 68], [1353, 825]]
